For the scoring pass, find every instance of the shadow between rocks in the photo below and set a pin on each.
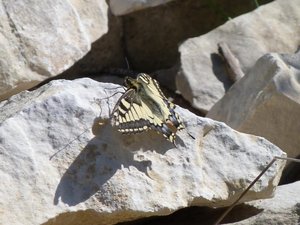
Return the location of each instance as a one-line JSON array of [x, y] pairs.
[[219, 69], [191, 215], [198, 215], [105, 154], [291, 173]]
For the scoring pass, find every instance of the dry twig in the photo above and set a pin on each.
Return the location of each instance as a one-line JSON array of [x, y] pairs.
[[252, 183], [233, 67]]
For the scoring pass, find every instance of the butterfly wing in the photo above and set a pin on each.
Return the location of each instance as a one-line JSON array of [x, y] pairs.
[[146, 107], [164, 106]]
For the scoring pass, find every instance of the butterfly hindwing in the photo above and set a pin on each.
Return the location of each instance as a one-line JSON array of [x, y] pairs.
[[127, 115], [143, 106], [169, 107]]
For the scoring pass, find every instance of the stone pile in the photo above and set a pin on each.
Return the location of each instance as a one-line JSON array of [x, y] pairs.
[[61, 160]]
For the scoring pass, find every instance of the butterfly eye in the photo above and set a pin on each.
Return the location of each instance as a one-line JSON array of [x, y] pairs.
[[132, 83]]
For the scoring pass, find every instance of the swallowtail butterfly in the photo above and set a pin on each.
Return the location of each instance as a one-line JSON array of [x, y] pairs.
[[143, 106]]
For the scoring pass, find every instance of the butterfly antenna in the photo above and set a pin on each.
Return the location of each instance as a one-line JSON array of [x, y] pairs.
[[129, 71], [127, 63]]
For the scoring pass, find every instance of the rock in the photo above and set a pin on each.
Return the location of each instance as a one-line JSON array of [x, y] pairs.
[[202, 78], [122, 7], [107, 53], [61, 161], [128, 37], [265, 102], [93, 17], [42, 39], [283, 208], [150, 48]]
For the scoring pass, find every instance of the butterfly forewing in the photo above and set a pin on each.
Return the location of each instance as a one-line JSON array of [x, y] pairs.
[[143, 106], [169, 109]]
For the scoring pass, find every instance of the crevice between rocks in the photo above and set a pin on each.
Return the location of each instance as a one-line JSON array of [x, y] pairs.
[[193, 215], [291, 173]]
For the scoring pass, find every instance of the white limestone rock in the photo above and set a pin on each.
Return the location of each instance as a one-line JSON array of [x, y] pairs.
[[123, 7], [92, 17], [266, 102], [283, 208], [203, 80], [40, 39], [100, 176]]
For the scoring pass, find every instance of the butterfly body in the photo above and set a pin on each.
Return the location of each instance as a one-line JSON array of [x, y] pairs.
[[143, 106]]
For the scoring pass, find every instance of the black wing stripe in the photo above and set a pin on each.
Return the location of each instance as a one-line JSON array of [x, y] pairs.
[[144, 106]]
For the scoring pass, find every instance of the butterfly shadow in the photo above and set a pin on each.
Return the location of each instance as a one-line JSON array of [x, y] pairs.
[[105, 154]]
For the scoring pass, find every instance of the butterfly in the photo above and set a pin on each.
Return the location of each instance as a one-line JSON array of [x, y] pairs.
[[143, 106]]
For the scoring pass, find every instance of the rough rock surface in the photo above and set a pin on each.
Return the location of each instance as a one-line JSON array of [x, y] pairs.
[[122, 7], [203, 80], [266, 102], [40, 39], [100, 176], [283, 208], [93, 17], [150, 48]]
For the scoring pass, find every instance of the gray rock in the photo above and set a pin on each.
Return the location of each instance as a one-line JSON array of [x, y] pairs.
[[203, 80], [99, 176], [92, 16], [265, 102], [40, 39]]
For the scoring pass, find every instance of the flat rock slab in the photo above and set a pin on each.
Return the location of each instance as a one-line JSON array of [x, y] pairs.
[[203, 79], [98, 175], [266, 102]]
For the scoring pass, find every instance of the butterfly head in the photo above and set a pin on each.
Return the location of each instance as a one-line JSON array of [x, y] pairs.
[[131, 83]]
